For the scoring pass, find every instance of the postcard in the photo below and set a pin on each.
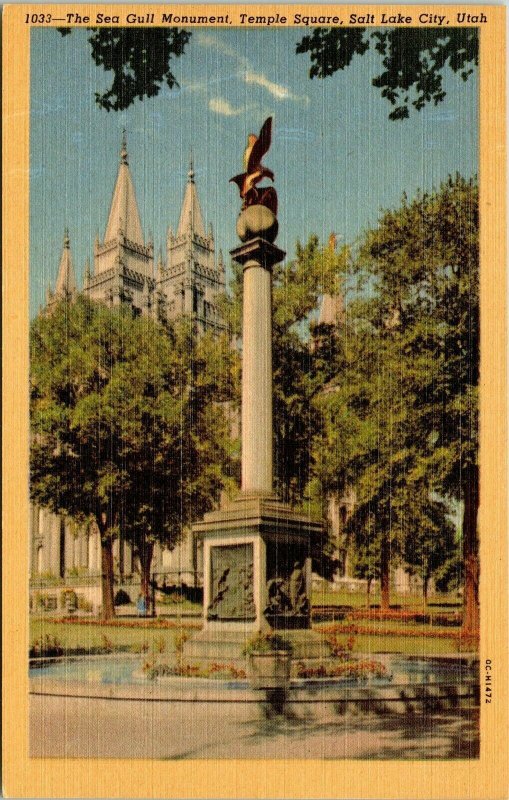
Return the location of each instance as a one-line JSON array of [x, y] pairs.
[[255, 427]]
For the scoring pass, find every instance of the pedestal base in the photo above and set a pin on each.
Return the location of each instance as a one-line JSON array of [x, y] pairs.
[[257, 565], [257, 577], [227, 647]]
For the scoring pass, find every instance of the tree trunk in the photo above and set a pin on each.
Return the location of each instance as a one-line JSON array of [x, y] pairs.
[[108, 604], [368, 588], [425, 584], [385, 562], [145, 555], [470, 551]]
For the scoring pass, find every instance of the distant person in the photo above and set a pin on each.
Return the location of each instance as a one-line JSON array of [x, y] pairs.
[[141, 606]]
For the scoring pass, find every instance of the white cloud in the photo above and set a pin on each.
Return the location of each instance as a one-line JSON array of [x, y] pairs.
[[208, 40], [246, 73], [221, 106], [275, 89]]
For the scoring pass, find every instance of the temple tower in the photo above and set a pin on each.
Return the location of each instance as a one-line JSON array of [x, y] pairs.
[[190, 281], [65, 287], [123, 261]]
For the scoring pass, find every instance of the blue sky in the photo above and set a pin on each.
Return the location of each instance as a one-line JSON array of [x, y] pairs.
[[337, 157]]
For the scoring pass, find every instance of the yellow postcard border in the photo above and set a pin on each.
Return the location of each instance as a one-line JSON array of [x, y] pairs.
[[25, 777]]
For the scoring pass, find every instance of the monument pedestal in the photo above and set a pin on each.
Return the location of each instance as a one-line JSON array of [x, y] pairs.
[[256, 549], [257, 577]]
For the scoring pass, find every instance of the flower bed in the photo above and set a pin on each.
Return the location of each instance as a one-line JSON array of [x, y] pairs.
[[225, 671], [406, 615], [408, 631], [351, 670], [46, 647], [124, 623]]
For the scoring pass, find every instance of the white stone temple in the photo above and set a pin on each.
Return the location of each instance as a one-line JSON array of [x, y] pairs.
[[187, 282]]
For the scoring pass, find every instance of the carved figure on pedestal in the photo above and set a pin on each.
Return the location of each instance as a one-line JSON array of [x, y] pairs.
[[297, 590], [288, 598], [278, 600]]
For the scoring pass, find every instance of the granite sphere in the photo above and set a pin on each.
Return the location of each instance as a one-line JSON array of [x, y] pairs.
[[257, 220]]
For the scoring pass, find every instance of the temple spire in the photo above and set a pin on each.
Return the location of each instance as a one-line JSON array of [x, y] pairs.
[[66, 279], [123, 148], [124, 215], [191, 219]]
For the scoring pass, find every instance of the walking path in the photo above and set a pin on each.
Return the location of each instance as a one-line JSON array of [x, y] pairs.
[[98, 728]]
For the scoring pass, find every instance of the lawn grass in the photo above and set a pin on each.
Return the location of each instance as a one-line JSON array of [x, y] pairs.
[[72, 636], [436, 604], [409, 645]]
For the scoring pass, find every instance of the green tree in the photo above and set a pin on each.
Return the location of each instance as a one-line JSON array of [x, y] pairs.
[[140, 59], [413, 59], [124, 430], [421, 265], [430, 540], [366, 563]]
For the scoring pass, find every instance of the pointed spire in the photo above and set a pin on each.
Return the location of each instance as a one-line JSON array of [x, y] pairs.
[[123, 148], [191, 219], [124, 215], [66, 280], [211, 232], [87, 272]]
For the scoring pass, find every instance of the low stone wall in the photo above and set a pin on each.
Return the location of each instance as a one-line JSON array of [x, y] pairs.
[[49, 598], [314, 701]]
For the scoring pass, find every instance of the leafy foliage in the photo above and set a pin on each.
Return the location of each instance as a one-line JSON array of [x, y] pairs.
[[399, 419], [124, 427], [140, 59], [413, 59]]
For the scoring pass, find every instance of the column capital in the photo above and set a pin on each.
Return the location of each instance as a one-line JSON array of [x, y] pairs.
[[259, 250]]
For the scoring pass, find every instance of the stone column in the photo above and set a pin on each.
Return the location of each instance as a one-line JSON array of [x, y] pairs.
[[257, 380], [257, 256]]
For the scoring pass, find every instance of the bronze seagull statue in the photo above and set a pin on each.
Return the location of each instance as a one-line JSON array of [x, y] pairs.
[[247, 181]]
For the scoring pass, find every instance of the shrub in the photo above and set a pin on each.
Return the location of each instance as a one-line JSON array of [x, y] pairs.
[[351, 670], [267, 643], [340, 648], [139, 647], [159, 645], [68, 597], [126, 623], [216, 670], [84, 604], [46, 646], [408, 631], [122, 598], [405, 615]]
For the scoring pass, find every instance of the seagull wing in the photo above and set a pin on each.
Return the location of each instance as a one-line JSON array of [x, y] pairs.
[[251, 140], [260, 146], [239, 180]]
